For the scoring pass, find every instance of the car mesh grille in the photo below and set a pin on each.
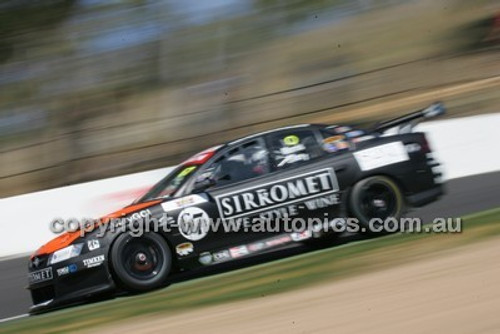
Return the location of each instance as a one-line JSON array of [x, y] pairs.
[[41, 295]]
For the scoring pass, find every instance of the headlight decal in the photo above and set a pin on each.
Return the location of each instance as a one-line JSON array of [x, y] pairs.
[[65, 253]]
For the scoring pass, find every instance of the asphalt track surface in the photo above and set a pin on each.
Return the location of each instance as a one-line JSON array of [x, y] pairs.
[[464, 195]]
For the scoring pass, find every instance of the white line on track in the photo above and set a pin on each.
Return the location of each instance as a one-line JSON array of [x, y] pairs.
[[14, 317]]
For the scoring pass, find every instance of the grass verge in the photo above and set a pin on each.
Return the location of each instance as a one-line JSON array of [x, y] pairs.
[[266, 279]]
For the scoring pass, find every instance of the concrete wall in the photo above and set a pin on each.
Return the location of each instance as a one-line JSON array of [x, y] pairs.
[[465, 146]]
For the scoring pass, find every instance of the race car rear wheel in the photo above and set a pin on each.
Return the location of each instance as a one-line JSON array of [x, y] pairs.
[[376, 197], [141, 263]]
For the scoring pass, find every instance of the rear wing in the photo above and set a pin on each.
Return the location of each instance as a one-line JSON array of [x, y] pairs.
[[406, 123]]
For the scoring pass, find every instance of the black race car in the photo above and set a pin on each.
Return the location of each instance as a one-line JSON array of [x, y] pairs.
[[252, 195]]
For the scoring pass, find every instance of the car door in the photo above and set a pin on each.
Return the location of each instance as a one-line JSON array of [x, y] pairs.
[[248, 193], [240, 166], [299, 154], [297, 181]]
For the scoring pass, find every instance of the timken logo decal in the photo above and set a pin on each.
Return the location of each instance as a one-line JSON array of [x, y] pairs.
[[267, 196]]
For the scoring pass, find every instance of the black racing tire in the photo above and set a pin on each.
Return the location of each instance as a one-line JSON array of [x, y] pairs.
[[376, 197], [140, 263]]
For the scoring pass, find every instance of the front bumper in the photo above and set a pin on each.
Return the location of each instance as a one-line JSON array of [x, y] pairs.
[[70, 281]]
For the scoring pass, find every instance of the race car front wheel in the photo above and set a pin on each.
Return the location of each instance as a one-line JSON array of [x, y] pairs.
[[141, 263], [377, 203]]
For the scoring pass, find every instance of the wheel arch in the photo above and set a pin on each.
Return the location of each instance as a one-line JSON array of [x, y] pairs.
[[174, 266], [348, 193]]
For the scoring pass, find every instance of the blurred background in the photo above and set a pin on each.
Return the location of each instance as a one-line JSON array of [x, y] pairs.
[[92, 89]]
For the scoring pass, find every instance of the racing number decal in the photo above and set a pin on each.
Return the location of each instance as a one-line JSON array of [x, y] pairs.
[[193, 223]]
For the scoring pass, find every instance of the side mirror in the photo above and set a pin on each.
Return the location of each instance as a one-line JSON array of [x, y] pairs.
[[202, 185], [225, 177]]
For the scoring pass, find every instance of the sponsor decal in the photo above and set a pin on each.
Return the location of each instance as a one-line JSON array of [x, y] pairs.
[[322, 202], [334, 147], [238, 251], [291, 140], [93, 244], [281, 212], [67, 270], [205, 258], [193, 223], [342, 129], [184, 249], [183, 202], [333, 139], [40, 275], [281, 240], [335, 143], [342, 145], [330, 148], [292, 210], [93, 261], [354, 133], [35, 262], [221, 256], [277, 194], [138, 215], [62, 271], [256, 246], [382, 155], [363, 138], [190, 200], [300, 236]]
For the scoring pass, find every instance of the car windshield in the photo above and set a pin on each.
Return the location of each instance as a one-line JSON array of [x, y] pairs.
[[169, 185]]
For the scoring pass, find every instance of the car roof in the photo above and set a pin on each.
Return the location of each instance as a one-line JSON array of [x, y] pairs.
[[258, 134], [215, 149]]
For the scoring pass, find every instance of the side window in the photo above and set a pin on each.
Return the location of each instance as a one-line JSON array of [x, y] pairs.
[[291, 148], [243, 162]]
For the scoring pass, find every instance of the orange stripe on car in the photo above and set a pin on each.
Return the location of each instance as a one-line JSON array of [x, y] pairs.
[[67, 238]]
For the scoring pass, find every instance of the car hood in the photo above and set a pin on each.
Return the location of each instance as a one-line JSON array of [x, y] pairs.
[[67, 238]]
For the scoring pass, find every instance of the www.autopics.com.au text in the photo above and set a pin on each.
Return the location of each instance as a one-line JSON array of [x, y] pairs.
[[201, 226]]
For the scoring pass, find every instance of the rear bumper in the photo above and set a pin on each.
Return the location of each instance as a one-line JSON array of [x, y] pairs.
[[426, 197]]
